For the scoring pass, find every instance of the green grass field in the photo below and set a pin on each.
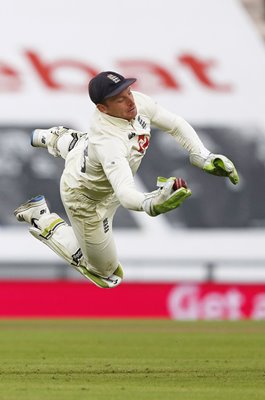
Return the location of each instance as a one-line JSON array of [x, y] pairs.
[[131, 360]]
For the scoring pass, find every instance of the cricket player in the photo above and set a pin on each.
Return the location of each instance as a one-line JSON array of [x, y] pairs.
[[99, 176]]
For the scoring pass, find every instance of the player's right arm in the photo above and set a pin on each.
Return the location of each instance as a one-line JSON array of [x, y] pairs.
[[118, 172], [112, 154]]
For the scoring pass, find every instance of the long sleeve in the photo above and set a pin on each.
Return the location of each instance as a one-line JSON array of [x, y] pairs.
[[117, 169], [175, 125]]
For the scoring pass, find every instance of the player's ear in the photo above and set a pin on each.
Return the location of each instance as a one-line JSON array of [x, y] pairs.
[[102, 108]]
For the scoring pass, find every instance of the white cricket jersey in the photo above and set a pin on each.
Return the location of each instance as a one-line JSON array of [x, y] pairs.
[[106, 163]]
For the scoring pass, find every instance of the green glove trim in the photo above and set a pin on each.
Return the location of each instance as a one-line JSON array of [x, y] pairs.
[[160, 182], [173, 202], [222, 167]]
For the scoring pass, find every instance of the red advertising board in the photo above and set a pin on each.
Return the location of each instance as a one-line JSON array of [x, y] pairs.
[[178, 301]]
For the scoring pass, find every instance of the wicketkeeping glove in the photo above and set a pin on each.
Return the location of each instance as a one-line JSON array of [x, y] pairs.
[[170, 195], [216, 164]]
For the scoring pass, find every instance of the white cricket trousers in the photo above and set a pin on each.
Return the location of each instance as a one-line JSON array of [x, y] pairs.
[[92, 230], [91, 221]]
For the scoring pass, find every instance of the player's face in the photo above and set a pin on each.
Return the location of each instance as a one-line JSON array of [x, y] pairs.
[[120, 106]]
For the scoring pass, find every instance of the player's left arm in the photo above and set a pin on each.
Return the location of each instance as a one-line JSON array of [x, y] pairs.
[[182, 131], [216, 164]]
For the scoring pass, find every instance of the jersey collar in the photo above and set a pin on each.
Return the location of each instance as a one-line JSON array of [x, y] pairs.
[[115, 120]]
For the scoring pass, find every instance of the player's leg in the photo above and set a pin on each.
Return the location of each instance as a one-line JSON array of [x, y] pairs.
[[92, 224], [53, 231], [57, 140]]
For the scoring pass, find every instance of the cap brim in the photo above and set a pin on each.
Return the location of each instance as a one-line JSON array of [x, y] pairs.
[[126, 83]]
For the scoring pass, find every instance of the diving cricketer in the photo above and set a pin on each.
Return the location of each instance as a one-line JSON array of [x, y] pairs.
[[99, 176]]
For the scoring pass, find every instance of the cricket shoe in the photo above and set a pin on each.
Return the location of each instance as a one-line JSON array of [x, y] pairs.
[[32, 210], [39, 137], [112, 281]]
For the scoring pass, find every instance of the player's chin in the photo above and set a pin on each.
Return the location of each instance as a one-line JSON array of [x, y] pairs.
[[132, 113]]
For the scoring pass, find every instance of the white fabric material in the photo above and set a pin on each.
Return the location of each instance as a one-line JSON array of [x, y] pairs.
[[63, 144], [98, 176], [62, 240], [108, 160], [92, 229], [98, 248], [59, 140]]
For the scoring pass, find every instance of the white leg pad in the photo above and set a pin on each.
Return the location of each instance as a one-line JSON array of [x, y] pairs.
[[59, 236], [55, 233], [62, 140]]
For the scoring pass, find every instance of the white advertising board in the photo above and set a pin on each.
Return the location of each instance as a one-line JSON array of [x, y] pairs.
[[201, 59]]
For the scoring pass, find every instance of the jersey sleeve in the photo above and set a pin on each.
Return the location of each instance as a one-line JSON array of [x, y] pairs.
[[173, 124], [113, 157]]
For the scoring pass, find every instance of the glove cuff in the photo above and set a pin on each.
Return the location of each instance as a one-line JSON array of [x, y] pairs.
[[147, 204], [197, 160]]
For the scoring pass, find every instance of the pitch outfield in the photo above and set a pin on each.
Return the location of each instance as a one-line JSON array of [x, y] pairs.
[[131, 360]]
